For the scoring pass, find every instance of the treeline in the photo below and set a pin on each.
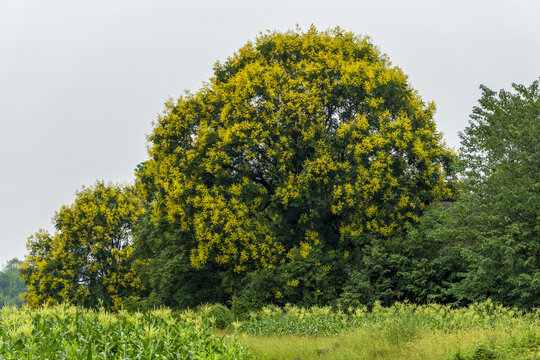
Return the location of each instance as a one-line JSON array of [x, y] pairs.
[[11, 285], [308, 171]]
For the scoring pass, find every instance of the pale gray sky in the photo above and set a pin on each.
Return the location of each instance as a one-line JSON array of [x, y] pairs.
[[81, 81]]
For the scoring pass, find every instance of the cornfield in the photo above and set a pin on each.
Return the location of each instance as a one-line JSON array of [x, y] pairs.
[[66, 332]]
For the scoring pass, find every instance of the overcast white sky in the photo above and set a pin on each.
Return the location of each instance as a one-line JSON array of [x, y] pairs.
[[81, 82]]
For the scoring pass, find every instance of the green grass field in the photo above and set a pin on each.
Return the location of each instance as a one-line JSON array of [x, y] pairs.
[[404, 331]]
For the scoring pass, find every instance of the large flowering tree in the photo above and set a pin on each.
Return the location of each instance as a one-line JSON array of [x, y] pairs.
[[301, 144]]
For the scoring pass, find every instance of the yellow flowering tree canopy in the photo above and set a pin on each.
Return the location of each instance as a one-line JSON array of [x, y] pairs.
[[87, 261], [301, 142]]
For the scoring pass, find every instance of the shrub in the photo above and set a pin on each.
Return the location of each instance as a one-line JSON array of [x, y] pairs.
[[136, 304], [221, 316]]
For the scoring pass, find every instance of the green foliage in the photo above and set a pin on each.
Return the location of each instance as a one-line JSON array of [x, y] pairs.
[[142, 304], [522, 347], [402, 331], [433, 259], [373, 275], [72, 333], [302, 149], [11, 285], [220, 316], [485, 244], [418, 265], [306, 171], [294, 320], [251, 300], [169, 274], [400, 321], [302, 281], [88, 260], [497, 222]]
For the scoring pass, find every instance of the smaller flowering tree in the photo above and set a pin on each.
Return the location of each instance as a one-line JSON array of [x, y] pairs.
[[88, 260]]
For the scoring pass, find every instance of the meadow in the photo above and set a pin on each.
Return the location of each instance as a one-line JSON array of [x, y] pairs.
[[403, 331]]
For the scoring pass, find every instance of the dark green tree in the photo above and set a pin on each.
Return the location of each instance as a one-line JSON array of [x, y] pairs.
[[11, 284], [417, 265], [497, 221]]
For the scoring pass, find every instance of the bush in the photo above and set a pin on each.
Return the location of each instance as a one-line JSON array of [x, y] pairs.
[[136, 304], [243, 305], [221, 316]]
